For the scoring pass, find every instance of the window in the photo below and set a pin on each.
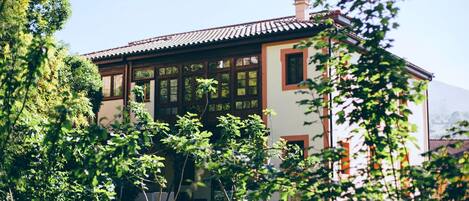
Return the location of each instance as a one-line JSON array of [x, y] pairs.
[[190, 89], [245, 105], [220, 64], [247, 61], [246, 83], [169, 70], [223, 86], [113, 86], [302, 141], [189, 68], [146, 90], [294, 69], [294, 63], [168, 91], [107, 86], [345, 160], [143, 73]]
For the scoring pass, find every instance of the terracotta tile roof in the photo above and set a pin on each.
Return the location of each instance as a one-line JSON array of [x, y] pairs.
[[204, 36], [435, 143]]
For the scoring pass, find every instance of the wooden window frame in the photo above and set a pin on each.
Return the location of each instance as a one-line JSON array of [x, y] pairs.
[[182, 104], [345, 161], [158, 78], [297, 138], [283, 59], [112, 97]]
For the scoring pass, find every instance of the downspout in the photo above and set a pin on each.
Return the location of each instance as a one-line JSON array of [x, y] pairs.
[[330, 97], [428, 121]]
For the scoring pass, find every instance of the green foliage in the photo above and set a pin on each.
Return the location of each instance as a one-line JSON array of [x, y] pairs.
[[85, 78]]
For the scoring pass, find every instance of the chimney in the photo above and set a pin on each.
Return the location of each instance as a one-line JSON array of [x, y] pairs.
[[301, 8]]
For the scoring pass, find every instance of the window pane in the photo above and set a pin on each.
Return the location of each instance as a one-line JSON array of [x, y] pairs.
[[188, 90], [146, 73], [169, 70], [193, 67], [173, 90], [254, 60], [298, 144], [164, 91], [247, 61], [239, 62], [147, 91], [294, 71], [107, 86], [118, 85], [226, 63]]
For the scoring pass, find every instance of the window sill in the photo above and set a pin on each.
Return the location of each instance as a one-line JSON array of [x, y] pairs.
[[112, 98]]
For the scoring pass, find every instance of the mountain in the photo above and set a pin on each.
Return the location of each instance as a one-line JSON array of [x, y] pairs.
[[447, 105]]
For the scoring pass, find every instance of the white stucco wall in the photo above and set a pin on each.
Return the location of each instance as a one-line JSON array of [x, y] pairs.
[[108, 111], [290, 116], [419, 118]]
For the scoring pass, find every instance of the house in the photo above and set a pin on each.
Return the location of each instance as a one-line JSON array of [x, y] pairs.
[[256, 67]]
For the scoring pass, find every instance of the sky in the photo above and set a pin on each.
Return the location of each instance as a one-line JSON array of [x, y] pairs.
[[433, 33]]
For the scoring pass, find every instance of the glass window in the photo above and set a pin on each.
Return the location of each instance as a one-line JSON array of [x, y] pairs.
[[113, 86], [247, 61], [294, 68], [299, 144], [246, 83], [107, 86], [193, 67], [225, 63], [168, 90], [223, 90], [241, 84], [169, 70], [173, 90], [169, 111], [225, 85], [219, 107], [244, 105], [164, 91], [143, 73], [117, 88], [190, 86]]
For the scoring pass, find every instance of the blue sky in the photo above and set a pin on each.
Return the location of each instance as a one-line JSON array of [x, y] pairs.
[[433, 33]]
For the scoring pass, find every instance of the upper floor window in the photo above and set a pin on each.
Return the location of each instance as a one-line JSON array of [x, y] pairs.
[[294, 69], [143, 73], [168, 91], [246, 83], [247, 61], [294, 64], [299, 141], [169, 70], [113, 86], [195, 67], [220, 64]]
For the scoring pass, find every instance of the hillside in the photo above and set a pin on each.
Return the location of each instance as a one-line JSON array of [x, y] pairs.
[[447, 105]]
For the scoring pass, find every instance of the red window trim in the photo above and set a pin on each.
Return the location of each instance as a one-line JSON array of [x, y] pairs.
[[295, 138], [283, 55], [345, 161]]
